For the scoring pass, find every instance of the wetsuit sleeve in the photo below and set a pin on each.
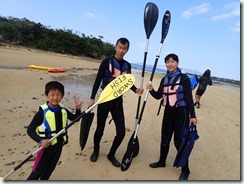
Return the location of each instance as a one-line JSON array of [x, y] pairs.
[[159, 93], [133, 88], [36, 121], [188, 95], [101, 72], [72, 116]]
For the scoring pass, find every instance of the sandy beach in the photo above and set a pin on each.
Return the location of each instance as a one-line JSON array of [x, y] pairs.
[[216, 154]]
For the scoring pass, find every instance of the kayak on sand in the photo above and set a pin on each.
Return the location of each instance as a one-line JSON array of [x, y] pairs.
[[49, 69]]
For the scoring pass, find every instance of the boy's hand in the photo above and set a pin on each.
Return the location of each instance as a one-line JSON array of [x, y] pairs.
[[45, 143], [78, 103]]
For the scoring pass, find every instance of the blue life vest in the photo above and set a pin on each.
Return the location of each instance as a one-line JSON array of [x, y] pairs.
[[194, 82], [173, 92], [114, 71]]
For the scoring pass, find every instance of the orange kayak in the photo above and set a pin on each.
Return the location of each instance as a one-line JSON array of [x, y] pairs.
[[56, 70]]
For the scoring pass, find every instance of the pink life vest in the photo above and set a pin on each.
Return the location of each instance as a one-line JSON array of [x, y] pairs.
[[173, 92]]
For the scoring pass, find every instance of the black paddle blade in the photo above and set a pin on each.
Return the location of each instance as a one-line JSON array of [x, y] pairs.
[[85, 128], [165, 25], [128, 157], [137, 147], [150, 18]]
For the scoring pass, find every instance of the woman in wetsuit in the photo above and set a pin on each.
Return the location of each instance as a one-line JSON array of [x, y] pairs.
[[176, 94]]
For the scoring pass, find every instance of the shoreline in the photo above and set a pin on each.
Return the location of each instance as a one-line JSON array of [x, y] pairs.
[[158, 71]]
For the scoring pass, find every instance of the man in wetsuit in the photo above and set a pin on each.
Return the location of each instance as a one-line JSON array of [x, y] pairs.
[[204, 81], [108, 70]]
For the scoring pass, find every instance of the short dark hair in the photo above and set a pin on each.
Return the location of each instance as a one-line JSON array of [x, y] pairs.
[[123, 41], [54, 85], [173, 56]]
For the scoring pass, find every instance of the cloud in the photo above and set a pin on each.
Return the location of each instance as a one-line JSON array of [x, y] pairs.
[[230, 10], [92, 15], [200, 9]]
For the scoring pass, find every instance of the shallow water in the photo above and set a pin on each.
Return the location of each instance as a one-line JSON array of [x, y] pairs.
[[77, 85]]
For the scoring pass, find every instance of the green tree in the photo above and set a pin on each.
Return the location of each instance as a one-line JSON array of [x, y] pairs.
[[36, 35]]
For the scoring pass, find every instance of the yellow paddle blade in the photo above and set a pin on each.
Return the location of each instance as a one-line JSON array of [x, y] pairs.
[[116, 87]]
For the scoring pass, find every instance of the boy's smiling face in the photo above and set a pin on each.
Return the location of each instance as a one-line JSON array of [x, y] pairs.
[[54, 97]]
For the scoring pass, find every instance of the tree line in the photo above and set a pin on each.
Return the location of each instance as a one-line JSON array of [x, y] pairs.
[[35, 35]]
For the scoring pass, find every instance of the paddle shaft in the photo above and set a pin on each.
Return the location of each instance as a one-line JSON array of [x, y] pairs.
[[142, 79], [147, 92]]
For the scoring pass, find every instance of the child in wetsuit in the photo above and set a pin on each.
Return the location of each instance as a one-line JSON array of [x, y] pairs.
[[48, 121]]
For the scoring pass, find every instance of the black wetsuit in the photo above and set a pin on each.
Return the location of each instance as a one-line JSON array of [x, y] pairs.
[[202, 86], [114, 106], [175, 119], [47, 158]]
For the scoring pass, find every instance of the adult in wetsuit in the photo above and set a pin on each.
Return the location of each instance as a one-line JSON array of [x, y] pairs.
[[176, 94], [108, 70], [204, 81]]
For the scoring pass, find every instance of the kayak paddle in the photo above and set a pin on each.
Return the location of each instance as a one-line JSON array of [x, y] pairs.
[[150, 21], [133, 146]]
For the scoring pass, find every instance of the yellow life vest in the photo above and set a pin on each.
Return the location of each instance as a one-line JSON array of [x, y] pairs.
[[48, 127]]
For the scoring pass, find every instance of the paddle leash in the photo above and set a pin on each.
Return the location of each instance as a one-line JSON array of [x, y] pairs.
[[113, 90], [133, 146]]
